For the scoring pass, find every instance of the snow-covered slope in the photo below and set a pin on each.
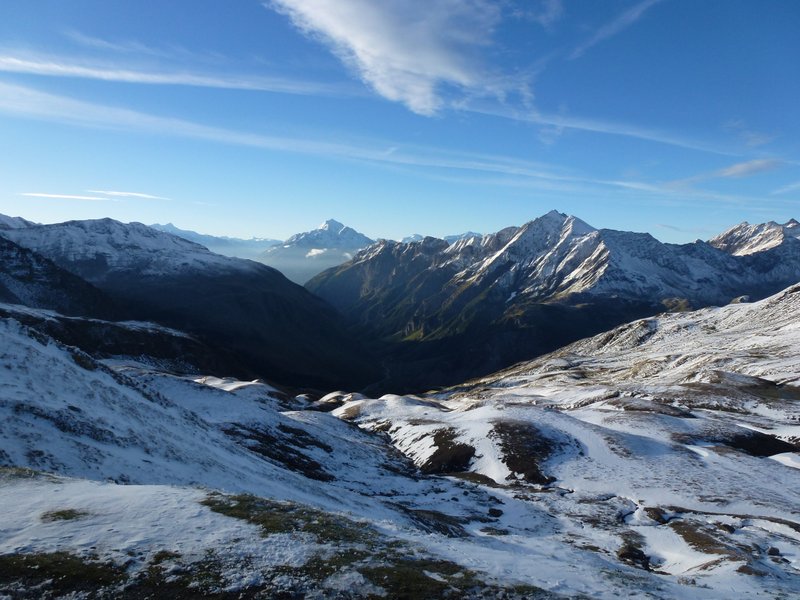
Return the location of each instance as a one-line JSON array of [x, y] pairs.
[[672, 442], [461, 236], [748, 239], [7, 222], [657, 460], [564, 476], [227, 246], [340, 506], [306, 254], [417, 237], [414, 237], [100, 249]]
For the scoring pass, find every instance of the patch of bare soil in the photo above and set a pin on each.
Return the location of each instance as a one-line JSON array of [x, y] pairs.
[[524, 449]]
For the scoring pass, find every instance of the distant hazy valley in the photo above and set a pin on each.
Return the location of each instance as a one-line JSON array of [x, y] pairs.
[[422, 419]]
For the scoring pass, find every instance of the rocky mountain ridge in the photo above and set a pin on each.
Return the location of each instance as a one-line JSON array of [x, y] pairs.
[[246, 308], [744, 239], [526, 290]]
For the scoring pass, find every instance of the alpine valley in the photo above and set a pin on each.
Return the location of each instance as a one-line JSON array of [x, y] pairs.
[[549, 411]]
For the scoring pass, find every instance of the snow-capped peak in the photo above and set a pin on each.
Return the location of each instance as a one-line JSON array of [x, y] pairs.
[[331, 234], [745, 238], [332, 225]]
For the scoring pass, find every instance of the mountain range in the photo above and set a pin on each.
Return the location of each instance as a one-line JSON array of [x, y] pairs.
[[397, 316], [458, 310], [227, 246], [417, 237], [242, 307], [167, 431], [658, 459]]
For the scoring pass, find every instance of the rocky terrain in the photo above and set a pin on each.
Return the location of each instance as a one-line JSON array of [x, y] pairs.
[[658, 459]]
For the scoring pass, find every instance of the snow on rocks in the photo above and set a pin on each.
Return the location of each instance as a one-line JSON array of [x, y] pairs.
[[644, 460]]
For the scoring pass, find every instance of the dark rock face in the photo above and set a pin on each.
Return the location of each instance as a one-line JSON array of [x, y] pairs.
[[273, 327], [33, 280], [169, 350]]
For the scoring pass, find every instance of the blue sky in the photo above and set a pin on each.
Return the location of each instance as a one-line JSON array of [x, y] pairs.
[[252, 118]]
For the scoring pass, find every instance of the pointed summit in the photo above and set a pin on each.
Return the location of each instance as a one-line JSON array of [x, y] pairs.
[[331, 234], [332, 225], [305, 254]]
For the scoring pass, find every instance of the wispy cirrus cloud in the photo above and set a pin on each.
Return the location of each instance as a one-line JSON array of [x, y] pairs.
[[98, 195], [70, 67], [565, 121], [792, 187], [63, 196], [747, 168], [126, 47], [405, 50], [749, 136], [554, 125], [118, 194], [25, 102], [544, 12], [617, 25]]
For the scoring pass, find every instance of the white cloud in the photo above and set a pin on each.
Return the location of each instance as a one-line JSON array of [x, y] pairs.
[[545, 12], [751, 167], [85, 70], [750, 137], [406, 50], [792, 187], [29, 103], [62, 196], [117, 194], [570, 122], [620, 23], [735, 171], [127, 47]]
